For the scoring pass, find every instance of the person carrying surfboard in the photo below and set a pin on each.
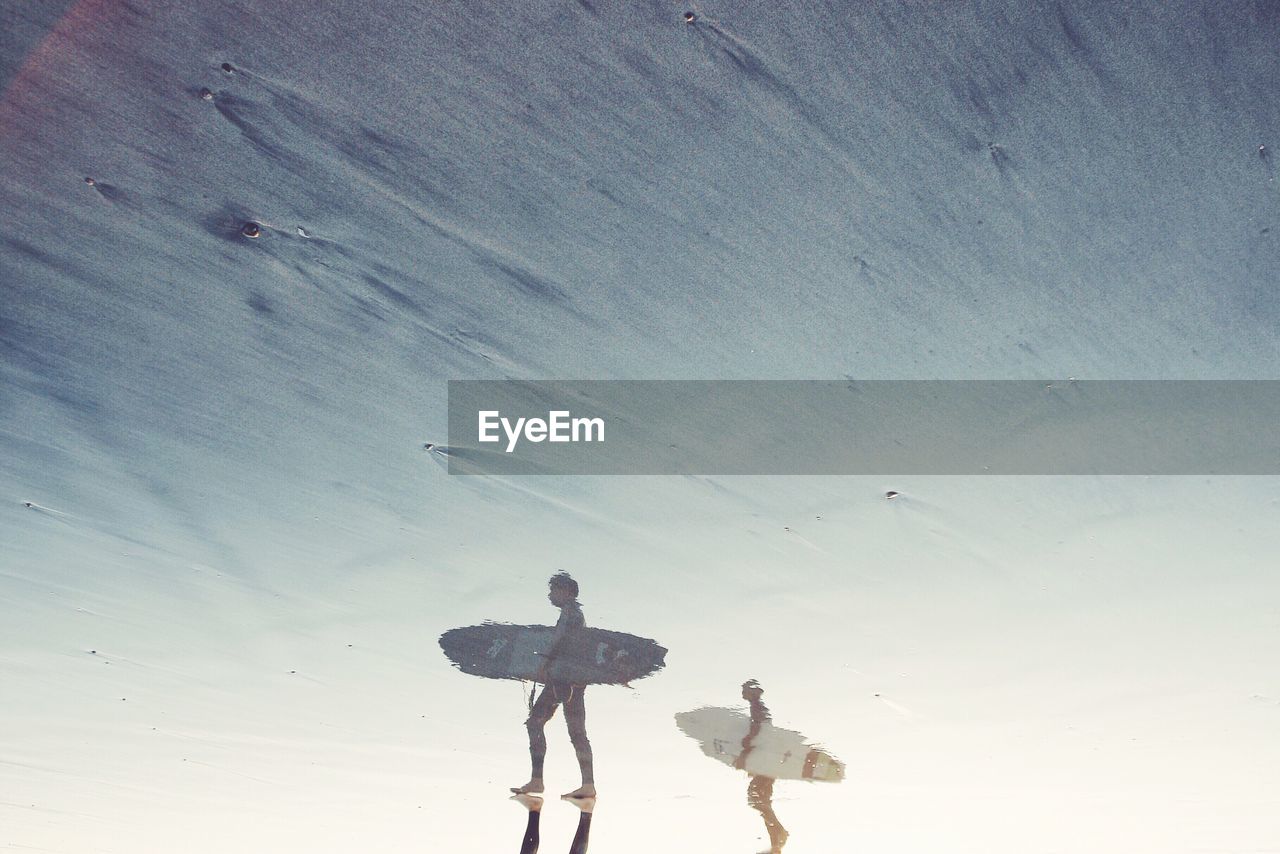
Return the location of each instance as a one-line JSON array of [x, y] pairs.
[[760, 787], [563, 593]]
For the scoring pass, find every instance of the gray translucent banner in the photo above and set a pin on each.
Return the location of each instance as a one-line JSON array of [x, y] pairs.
[[864, 427]]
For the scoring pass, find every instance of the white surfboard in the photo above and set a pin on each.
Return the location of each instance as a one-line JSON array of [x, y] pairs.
[[782, 754]]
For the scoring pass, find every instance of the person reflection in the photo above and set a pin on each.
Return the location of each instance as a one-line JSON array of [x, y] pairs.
[[533, 803], [767, 753], [760, 787], [563, 593]]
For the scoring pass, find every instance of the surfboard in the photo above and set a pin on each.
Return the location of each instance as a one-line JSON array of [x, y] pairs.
[[782, 754], [593, 657]]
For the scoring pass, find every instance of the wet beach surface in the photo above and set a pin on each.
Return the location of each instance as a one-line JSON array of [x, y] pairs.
[[243, 249]]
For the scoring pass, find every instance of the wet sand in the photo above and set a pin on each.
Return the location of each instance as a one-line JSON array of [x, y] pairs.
[[227, 556]]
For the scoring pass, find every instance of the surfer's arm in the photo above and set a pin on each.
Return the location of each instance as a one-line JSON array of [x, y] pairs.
[[559, 638], [555, 647], [748, 742], [557, 643], [549, 656]]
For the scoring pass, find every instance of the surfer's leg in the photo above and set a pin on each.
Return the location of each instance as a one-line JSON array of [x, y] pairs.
[[530, 843], [533, 803], [580, 838], [575, 717], [760, 798], [543, 709]]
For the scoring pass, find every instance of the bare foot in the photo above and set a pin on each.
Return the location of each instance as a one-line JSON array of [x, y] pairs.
[[533, 787], [587, 805], [532, 803], [586, 790]]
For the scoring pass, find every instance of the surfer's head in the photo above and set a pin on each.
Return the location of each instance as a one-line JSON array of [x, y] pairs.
[[562, 589], [751, 690]]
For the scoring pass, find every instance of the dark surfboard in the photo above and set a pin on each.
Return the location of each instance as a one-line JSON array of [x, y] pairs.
[[593, 656]]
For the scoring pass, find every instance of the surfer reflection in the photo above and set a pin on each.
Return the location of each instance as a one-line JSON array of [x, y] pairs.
[[760, 787], [533, 803], [768, 753], [563, 593], [564, 659]]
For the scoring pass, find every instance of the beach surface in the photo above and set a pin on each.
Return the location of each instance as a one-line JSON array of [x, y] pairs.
[[244, 246]]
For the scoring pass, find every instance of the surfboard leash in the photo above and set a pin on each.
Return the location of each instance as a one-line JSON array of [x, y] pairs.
[[533, 691]]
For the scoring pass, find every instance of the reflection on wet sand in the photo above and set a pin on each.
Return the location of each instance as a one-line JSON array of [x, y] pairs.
[[532, 836], [564, 659], [563, 593], [760, 788], [751, 743]]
